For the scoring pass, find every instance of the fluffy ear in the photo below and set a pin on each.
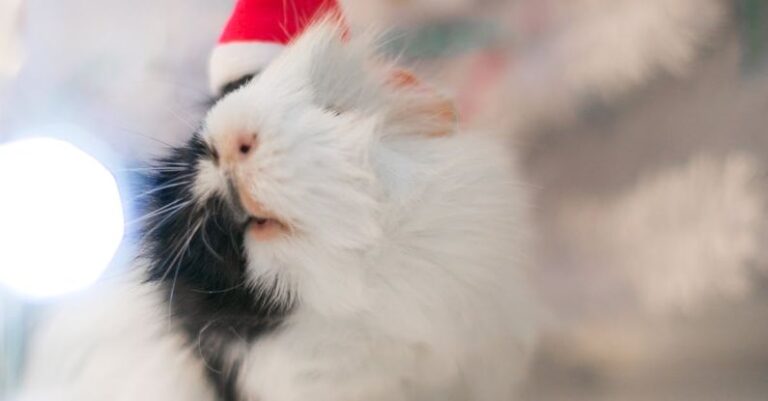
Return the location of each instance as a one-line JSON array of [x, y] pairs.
[[421, 106], [348, 74]]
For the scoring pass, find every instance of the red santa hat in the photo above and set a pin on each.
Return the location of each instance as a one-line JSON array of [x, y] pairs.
[[256, 32]]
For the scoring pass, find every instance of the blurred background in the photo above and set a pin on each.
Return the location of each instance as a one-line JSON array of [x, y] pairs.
[[641, 127]]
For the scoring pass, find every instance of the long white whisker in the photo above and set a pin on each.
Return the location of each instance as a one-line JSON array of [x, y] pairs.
[[175, 113], [169, 214], [200, 346], [208, 245], [179, 249], [170, 208], [177, 261], [172, 184], [154, 169], [238, 335], [234, 287]]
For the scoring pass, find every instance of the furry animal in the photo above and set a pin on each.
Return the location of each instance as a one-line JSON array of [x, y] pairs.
[[325, 236]]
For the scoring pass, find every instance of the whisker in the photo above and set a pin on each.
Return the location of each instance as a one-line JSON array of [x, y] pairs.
[[172, 184], [177, 262], [169, 214], [175, 113], [200, 347], [178, 250], [169, 208], [238, 335], [180, 167], [234, 287], [139, 134], [208, 245]]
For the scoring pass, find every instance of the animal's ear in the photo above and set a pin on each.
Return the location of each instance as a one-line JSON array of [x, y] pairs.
[[421, 106], [346, 74]]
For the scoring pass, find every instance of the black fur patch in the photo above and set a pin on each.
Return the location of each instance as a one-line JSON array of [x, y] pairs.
[[196, 252], [235, 85]]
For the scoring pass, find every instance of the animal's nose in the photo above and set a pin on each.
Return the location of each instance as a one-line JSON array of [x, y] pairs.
[[245, 144], [237, 148]]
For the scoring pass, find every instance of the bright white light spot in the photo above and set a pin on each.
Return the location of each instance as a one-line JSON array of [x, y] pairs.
[[61, 219]]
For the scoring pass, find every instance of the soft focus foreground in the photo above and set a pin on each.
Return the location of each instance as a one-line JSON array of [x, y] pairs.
[[639, 123]]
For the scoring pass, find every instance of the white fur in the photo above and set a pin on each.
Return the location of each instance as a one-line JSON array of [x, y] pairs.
[[405, 258], [112, 343]]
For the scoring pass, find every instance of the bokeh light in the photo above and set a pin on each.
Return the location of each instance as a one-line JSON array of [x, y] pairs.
[[61, 217]]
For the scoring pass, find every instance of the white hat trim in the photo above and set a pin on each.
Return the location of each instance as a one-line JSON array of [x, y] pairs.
[[232, 61]]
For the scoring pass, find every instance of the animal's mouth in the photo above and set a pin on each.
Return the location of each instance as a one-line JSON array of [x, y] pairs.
[[263, 227], [258, 221]]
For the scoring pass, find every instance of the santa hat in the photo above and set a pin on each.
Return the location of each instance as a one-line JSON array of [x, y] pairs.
[[256, 32]]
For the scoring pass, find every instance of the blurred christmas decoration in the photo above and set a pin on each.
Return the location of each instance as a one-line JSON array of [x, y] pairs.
[[527, 63], [684, 237], [689, 236], [754, 34]]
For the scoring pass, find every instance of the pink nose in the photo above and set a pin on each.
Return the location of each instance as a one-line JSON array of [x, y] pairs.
[[245, 144], [237, 148]]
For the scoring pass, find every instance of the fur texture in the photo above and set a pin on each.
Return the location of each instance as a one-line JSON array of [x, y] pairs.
[[396, 273]]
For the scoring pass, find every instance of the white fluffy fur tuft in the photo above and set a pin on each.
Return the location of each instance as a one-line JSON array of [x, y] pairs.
[[112, 343]]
